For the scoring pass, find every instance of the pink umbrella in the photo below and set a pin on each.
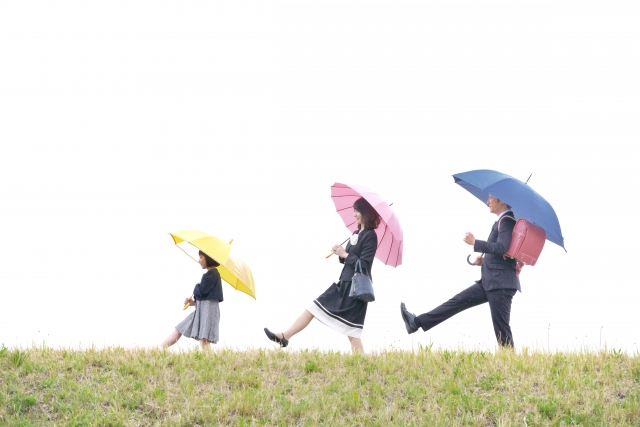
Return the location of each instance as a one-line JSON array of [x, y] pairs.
[[389, 232]]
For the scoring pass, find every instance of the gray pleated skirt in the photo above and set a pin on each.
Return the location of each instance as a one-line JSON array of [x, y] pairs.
[[204, 322]]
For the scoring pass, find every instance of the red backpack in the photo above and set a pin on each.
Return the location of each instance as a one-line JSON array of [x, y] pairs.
[[527, 241]]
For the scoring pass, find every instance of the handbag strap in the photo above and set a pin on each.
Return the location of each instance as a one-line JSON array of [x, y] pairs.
[[358, 266]]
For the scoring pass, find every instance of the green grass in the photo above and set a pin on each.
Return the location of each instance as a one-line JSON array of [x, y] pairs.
[[123, 387]]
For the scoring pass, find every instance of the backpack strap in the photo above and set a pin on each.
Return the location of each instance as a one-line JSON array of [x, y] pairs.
[[503, 217], [519, 264]]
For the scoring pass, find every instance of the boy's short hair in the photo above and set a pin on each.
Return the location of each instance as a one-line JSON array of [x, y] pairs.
[[210, 261]]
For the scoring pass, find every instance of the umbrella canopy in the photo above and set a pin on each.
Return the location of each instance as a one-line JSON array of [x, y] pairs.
[[389, 232], [232, 269], [523, 199]]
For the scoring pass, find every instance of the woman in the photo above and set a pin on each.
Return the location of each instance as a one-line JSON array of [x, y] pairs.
[[335, 308], [204, 323]]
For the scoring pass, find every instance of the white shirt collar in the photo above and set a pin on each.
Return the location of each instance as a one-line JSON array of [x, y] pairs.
[[500, 216]]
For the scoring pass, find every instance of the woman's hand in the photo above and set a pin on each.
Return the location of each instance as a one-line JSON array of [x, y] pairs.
[[339, 250], [189, 301]]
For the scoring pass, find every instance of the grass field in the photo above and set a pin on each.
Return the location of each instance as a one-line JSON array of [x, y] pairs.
[[138, 387]]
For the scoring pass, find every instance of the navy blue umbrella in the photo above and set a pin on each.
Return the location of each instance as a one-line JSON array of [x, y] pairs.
[[524, 201]]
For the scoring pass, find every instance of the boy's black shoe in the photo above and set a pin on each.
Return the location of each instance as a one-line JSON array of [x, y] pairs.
[[409, 319]]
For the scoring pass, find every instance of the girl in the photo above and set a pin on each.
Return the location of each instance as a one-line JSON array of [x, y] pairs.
[[203, 324]]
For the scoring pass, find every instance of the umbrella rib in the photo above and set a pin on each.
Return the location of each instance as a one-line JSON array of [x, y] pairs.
[[397, 254], [383, 234], [391, 246], [386, 227], [187, 252]]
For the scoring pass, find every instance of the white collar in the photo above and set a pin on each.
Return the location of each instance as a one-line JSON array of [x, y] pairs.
[[500, 216]]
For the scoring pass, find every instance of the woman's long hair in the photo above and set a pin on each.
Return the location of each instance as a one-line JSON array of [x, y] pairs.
[[370, 218]]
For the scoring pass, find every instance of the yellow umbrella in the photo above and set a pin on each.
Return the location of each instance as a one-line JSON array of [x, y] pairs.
[[232, 269]]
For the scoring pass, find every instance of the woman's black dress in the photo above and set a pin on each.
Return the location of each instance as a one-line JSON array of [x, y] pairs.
[[335, 308]]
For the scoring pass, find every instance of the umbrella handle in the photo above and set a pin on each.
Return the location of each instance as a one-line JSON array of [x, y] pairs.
[[469, 262], [187, 305], [340, 244]]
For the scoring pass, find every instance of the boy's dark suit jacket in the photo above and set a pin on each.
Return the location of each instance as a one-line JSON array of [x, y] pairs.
[[498, 273], [365, 250]]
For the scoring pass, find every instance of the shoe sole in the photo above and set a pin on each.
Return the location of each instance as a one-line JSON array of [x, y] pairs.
[[403, 308]]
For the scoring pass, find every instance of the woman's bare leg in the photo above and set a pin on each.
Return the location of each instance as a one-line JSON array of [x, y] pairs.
[[356, 345], [300, 323], [204, 344], [171, 339]]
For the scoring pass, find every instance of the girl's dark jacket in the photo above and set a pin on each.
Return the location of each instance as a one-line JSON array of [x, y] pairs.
[[210, 287]]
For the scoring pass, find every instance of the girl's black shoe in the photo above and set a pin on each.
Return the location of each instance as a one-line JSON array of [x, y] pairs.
[[282, 341]]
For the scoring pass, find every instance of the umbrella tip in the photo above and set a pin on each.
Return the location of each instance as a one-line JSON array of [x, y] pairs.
[[230, 241], [528, 179]]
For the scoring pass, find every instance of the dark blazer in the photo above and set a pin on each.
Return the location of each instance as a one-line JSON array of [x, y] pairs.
[[364, 251], [210, 287], [498, 273]]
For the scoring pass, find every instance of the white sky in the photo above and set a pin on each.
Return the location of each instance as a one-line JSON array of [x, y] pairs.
[[123, 121]]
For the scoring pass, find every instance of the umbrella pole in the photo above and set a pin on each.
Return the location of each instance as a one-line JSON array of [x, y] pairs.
[[187, 305], [187, 254], [340, 244]]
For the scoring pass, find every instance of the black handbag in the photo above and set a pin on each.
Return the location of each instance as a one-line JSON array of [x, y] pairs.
[[361, 285]]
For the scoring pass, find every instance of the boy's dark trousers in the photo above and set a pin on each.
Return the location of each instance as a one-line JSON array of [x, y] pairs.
[[499, 302]]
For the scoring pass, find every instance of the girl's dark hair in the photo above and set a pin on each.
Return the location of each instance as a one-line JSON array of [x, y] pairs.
[[210, 261], [370, 218]]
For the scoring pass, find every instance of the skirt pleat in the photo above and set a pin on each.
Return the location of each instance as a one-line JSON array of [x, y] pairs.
[[204, 322]]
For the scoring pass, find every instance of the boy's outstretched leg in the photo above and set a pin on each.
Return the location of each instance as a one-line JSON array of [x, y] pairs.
[[470, 297]]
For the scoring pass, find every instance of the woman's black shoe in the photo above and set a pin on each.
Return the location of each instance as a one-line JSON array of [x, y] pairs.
[[282, 341]]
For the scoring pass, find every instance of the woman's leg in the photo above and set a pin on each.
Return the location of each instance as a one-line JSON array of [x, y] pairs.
[[356, 345], [300, 323], [171, 339], [204, 344]]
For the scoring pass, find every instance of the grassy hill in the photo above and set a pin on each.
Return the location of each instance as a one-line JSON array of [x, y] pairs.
[[124, 387]]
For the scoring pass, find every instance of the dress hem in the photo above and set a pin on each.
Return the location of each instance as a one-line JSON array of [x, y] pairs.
[[335, 322]]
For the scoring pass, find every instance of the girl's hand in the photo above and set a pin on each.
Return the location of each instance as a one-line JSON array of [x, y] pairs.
[[189, 301], [339, 250]]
